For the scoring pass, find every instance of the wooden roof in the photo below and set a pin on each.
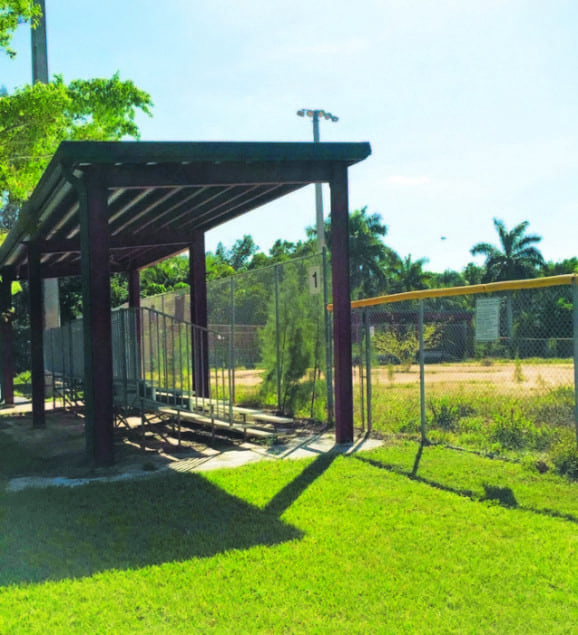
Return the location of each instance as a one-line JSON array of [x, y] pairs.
[[159, 193]]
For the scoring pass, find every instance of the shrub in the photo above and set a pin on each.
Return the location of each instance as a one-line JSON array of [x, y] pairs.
[[512, 431], [447, 413], [565, 457]]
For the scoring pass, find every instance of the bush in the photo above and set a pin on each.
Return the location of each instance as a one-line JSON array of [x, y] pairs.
[[447, 413], [565, 457], [512, 431]]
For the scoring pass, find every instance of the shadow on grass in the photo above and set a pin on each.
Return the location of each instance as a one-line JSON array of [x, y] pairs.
[[61, 533], [293, 490], [504, 496]]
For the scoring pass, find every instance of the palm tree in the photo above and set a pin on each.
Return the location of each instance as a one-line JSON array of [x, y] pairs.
[[368, 254], [515, 259], [408, 274]]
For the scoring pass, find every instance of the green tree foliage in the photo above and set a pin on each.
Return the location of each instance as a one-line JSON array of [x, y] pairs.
[[168, 275], [240, 256], [298, 330], [569, 265], [408, 274], [515, 259], [35, 119], [402, 342], [12, 14], [448, 278], [369, 257], [473, 274], [216, 267]]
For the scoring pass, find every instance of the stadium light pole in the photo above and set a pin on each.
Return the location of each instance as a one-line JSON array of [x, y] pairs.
[[316, 115]]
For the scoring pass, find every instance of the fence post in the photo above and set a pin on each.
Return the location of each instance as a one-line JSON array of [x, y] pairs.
[[232, 344], [575, 337], [368, 366], [422, 376], [277, 340], [510, 320], [328, 339]]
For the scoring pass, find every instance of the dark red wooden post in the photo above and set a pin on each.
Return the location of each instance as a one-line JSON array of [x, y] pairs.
[[134, 303], [36, 337], [6, 336], [98, 386], [341, 306], [198, 280]]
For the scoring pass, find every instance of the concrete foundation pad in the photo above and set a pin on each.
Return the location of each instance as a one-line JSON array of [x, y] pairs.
[[210, 459]]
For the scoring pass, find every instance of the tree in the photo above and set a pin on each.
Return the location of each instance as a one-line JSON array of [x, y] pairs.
[[408, 274], [240, 255], [473, 273], [449, 278], [12, 14], [516, 258], [35, 119], [164, 276], [368, 254], [563, 267]]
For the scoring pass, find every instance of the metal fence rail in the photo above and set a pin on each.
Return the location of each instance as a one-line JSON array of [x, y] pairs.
[[158, 360]]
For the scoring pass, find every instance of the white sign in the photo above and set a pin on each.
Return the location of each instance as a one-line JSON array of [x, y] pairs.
[[487, 319], [315, 280]]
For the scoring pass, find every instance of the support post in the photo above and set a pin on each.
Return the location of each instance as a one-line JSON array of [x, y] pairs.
[[232, 360], [575, 336], [341, 306], [36, 336], [279, 363], [422, 376], [98, 385], [198, 280], [367, 322], [134, 303], [6, 334], [328, 340]]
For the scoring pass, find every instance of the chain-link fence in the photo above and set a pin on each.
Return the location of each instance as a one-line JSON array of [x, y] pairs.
[[275, 321], [495, 369]]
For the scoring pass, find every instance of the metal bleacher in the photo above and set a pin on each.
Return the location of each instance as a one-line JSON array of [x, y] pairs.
[[159, 370]]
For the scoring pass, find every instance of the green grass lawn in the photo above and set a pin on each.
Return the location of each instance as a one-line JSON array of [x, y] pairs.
[[333, 545]]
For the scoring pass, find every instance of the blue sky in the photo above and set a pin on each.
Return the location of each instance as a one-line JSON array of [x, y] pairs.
[[470, 106]]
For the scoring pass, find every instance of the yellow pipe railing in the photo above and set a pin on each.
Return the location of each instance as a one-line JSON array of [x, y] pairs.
[[492, 287]]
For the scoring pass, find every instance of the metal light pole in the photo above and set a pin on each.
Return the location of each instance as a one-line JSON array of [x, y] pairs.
[[315, 115], [40, 74], [39, 48]]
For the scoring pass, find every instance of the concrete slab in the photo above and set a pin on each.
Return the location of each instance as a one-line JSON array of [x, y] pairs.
[[211, 459]]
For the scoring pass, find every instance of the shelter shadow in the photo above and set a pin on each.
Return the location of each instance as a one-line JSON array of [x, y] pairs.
[[60, 533]]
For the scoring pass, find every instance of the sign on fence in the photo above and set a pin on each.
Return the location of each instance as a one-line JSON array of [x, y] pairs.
[[314, 280], [487, 319]]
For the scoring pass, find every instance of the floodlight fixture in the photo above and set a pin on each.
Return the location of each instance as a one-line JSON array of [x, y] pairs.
[[316, 115]]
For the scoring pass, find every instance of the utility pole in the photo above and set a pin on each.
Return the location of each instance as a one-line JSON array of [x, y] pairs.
[[40, 74], [39, 47]]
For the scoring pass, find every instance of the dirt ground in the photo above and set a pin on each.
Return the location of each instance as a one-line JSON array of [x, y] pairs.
[[499, 376], [502, 377]]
